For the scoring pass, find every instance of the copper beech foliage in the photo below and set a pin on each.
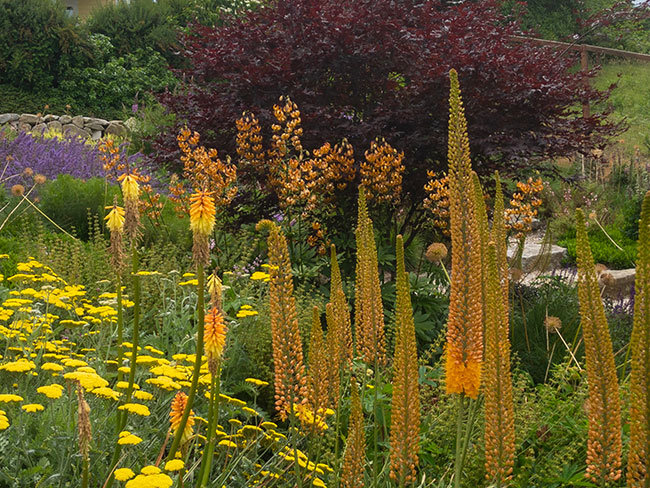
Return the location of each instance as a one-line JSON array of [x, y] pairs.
[[370, 68]]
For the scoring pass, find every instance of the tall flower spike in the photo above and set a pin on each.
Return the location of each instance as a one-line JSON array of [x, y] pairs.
[[498, 235], [405, 412], [131, 193], [638, 465], [202, 213], [484, 231], [176, 413], [339, 329], [499, 410], [369, 311], [214, 338], [288, 363], [464, 349], [83, 423], [603, 410], [355, 449], [334, 355], [319, 370], [115, 223]]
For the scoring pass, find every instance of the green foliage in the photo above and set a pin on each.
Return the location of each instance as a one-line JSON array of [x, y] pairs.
[[37, 41], [538, 348], [629, 99], [136, 26], [602, 247], [68, 202]]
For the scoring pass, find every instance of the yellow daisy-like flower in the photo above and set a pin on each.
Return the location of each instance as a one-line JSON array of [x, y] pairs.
[[33, 407], [10, 397], [135, 408], [159, 480], [142, 395], [21, 366], [150, 470], [130, 186], [4, 421], [202, 212], [256, 382], [260, 275], [174, 465], [115, 219], [123, 474], [128, 439], [51, 367], [51, 391]]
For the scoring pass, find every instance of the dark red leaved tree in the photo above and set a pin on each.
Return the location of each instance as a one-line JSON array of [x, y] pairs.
[[366, 68]]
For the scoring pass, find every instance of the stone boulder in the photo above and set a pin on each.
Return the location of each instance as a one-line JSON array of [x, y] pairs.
[[30, 119], [8, 118]]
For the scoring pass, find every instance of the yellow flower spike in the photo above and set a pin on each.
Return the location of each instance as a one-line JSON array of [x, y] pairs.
[[214, 338], [176, 414], [202, 212], [464, 348], [115, 219], [604, 444], [130, 186]]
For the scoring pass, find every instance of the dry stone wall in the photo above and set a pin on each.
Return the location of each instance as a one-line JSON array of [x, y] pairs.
[[86, 127]]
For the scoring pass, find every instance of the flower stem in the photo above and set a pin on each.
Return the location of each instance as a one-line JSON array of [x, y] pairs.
[[213, 420], [200, 308], [458, 467]]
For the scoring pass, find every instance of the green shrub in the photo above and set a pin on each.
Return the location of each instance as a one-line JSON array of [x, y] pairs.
[[38, 41], [69, 201], [137, 25], [602, 247], [119, 81]]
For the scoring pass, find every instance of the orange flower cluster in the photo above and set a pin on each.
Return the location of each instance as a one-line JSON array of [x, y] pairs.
[[369, 311], [249, 143], [464, 349], [176, 414], [523, 206], [116, 168], [214, 338], [405, 412], [203, 169], [381, 172], [437, 201], [355, 448], [289, 370], [604, 444], [638, 468]]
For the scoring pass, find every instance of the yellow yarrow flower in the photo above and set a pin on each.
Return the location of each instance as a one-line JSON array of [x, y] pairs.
[[202, 212], [51, 391], [174, 465], [9, 397], [128, 439], [20, 366], [135, 408], [123, 474], [33, 407], [115, 219]]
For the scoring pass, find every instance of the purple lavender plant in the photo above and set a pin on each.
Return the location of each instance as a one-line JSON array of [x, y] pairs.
[[52, 157]]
